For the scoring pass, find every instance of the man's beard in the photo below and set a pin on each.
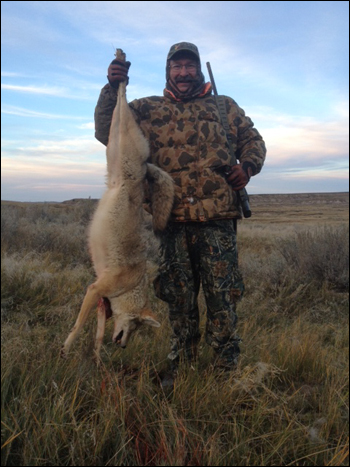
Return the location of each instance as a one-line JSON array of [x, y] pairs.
[[184, 79], [173, 85]]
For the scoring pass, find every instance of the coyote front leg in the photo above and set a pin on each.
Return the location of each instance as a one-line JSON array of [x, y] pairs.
[[93, 294], [101, 324]]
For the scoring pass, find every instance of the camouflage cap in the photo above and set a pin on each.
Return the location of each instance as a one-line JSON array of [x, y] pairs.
[[183, 46]]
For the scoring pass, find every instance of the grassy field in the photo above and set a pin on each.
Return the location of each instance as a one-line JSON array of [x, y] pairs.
[[287, 404]]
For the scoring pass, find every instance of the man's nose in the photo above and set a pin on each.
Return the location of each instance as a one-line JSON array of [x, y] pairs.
[[183, 71]]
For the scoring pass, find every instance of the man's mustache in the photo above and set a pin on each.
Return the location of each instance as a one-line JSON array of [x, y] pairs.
[[184, 79]]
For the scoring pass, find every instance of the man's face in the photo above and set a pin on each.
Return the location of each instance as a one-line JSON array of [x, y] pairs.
[[183, 72]]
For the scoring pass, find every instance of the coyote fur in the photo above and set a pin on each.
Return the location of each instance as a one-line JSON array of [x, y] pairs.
[[117, 236]]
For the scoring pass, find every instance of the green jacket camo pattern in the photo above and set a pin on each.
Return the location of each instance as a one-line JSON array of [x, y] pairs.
[[188, 141]]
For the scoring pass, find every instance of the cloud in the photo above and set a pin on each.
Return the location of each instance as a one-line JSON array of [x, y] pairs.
[[79, 147], [48, 177], [50, 170], [10, 74], [26, 113], [285, 183], [51, 55], [47, 190], [302, 141], [87, 126], [54, 172], [46, 90], [81, 157], [73, 89], [316, 174]]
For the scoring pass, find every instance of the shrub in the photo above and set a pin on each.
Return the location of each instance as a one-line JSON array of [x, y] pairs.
[[320, 255]]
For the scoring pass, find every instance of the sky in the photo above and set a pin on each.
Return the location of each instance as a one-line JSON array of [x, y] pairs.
[[286, 63]]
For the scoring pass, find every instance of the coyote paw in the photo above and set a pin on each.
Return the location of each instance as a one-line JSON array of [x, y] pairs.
[[63, 353], [97, 359]]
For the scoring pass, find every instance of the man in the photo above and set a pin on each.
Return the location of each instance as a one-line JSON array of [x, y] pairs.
[[188, 141]]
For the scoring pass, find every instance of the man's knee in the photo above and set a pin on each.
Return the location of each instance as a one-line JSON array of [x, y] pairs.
[[176, 288]]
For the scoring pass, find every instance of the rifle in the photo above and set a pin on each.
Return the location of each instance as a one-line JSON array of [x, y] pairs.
[[242, 195]]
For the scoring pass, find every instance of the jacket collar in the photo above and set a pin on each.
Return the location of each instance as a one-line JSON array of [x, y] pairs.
[[206, 90]]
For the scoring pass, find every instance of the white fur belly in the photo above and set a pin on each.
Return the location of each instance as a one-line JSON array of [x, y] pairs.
[[100, 229]]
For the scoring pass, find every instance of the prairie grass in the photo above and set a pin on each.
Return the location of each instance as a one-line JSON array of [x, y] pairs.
[[287, 403]]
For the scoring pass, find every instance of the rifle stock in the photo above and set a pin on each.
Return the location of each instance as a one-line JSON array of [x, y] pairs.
[[242, 194]]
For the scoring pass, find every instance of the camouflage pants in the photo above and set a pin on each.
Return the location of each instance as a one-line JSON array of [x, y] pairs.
[[194, 253]]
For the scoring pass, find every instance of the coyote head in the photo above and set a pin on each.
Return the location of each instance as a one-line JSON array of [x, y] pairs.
[[125, 325]]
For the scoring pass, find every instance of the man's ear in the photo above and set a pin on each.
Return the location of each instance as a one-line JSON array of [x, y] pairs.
[[147, 317]]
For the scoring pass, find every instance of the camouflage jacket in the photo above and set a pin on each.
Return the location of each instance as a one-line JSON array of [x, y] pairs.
[[188, 141]]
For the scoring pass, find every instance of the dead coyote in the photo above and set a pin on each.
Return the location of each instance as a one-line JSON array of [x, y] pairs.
[[117, 239]]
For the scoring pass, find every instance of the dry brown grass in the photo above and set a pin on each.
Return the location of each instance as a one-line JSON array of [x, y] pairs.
[[300, 209], [287, 404]]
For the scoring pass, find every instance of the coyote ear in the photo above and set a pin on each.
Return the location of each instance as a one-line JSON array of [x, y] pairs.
[[151, 322], [147, 317]]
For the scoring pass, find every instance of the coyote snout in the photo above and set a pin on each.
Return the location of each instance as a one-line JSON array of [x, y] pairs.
[[117, 236]]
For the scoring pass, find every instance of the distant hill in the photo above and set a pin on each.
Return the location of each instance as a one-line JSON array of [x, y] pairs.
[[257, 200], [301, 198], [295, 208]]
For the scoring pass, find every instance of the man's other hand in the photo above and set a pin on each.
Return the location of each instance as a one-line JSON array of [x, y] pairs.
[[238, 178]]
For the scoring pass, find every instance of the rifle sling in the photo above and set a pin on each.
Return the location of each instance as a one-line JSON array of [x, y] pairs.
[[220, 102]]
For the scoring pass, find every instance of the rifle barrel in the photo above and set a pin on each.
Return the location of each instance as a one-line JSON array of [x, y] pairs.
[[242, 194], [211, 76]]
